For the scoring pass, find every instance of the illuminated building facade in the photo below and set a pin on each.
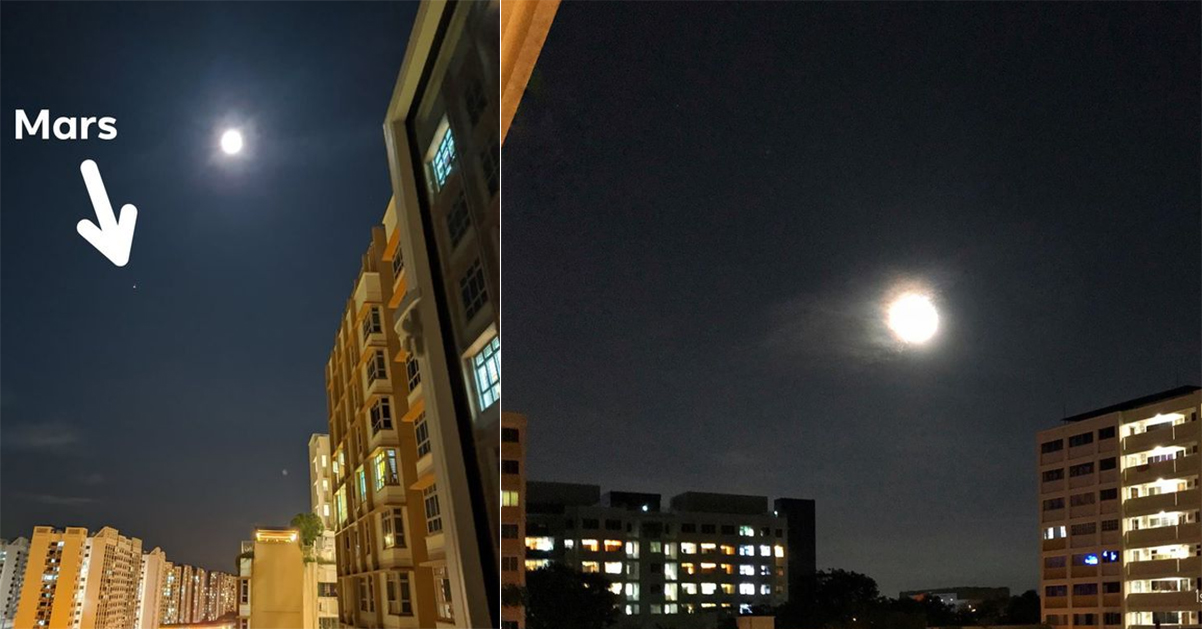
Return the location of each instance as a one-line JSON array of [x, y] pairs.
[[271, 576], [321, 575], [152, 579], [513, 513], [1119, 506], [414, 378], [50, 591], [13, 555], [707, 552]]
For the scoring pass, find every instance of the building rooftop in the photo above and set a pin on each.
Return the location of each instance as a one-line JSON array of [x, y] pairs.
[[1134, 404]]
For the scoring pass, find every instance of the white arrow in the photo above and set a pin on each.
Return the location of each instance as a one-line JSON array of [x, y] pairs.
[[114, 236]]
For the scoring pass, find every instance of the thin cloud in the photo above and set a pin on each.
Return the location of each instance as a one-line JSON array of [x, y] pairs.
[[42, 436], [60, 501], [92, 479]]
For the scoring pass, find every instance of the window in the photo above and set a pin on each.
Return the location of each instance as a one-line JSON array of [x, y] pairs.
[[472, 291], [458, 220], [1086, 528], [377, 367], [509, 498], [412, 372], [398, 263], [1082, 499], [1053, 591], [474, 99], [513, 435], [1112, 618], [1057, 561], [1081, 470], [1108, 464], [381, 415], [393, 524], [1052, 504], [487, 366], [1052, 475], [1108, 494], [1082, 439], [244, 591], [1051, 446], [1110, 525], [386, 473], [400, 601], [1106, 433], [510, 466], [433, 515], [490, 160], [509, 564], [340, 505], [747, 531], [443, 163], [442, 594], [422, 432], [367, 594], [371, 323], [1085, 589], [361, 475]]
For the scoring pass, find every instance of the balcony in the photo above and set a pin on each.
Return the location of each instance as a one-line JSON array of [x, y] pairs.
[[1177, 435], [1055, 544], [1162, 601], [1160, 568], [1149, 472], [1051, 486], [1052, 515], [1164, 535], [1173, 501]]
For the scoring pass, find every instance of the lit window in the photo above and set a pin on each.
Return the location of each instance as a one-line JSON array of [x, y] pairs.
[[487, 366], [590, 566], [422, 432], [393, 524], [765, 551], [443, 163], [616, 587], [540, 543], [688, 548], [779, 551], [670, 591], [612, 545], [670, 571], [509, 498], [361, 475], [442, 594], [747, 531], [433, 513], [656, 547], [746, 588], [613, 567], [708, 589], [536, 564], [708, 548], [746, 569], [632, 550], [632, 592], [472, 291], [688, 588], [386, 473], [727, 549], [569, 543], [590, 544], [747, 550], [765, 588]]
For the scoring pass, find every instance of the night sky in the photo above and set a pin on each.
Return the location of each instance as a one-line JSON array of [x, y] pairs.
[[705, 205], [172, 410]]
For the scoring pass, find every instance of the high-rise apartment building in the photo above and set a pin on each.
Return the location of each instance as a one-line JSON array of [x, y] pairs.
[[50, 593], [389, 534], [221, 596], [192, 594], [706, 553], [1119, 507], [443, 143], [151, 581], [13, 555], [110, 577], [513, 514]]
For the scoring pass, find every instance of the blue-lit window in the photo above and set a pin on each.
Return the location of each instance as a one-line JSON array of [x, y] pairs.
[[487, 366], [443, 163], [1110, 556], [1091, 560]]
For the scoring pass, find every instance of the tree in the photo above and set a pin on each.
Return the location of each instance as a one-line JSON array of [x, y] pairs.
[[830, 598], [558, 597], [310, 528]]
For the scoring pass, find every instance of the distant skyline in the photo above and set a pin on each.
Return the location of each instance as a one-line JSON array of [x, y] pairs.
[[173, 399], [707, 205]]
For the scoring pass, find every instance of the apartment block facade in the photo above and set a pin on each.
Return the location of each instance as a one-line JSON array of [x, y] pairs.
[[50, 593], [1119, 507], [322, 574], [152, 579], [513, 514], [706, 553], [13, 555]]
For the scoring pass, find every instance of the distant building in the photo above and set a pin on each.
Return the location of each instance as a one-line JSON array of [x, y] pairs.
[[152, 580], [707, 552], [192, 594], [321, 573], [961, 597], [1119, 504], [513, 513], [51, 585], [273, 593], [13, 555]]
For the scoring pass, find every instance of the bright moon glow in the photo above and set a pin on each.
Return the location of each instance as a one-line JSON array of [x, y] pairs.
[[913, 318], [231, 142]]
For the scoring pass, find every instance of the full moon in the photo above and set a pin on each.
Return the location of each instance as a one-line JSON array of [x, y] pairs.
[[913, 318], [231, 141]]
